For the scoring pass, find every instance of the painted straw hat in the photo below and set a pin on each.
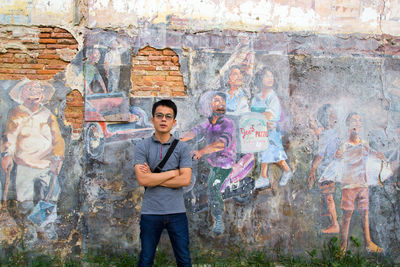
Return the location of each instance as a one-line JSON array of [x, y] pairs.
[[47, 90]]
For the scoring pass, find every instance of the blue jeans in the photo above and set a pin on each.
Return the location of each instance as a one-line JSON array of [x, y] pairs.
[[151, 227]]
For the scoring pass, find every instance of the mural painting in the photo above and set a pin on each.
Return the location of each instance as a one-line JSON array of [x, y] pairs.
[[352, 163], [267, 103], [328, 143], [107, 59], [278, 140], [220, 133], [32, 156]]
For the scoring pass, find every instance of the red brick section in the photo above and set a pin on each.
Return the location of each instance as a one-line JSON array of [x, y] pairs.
[[157, 73], [35, 58], [74, 110]]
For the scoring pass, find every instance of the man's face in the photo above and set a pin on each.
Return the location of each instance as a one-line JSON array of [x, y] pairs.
[[235, 78], [268, 79], [218, 104], [32, 94], [163, 119], [355, 124]]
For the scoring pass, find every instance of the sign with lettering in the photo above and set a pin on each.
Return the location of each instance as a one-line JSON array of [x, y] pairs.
[[253, 132]]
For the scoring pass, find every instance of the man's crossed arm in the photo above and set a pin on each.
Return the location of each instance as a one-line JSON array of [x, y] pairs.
[[172, 179]]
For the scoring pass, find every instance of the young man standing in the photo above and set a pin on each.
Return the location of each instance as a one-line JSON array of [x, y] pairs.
[[163, 203]]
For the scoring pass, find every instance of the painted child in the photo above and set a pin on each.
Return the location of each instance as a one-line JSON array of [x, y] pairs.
[[328, 143], [267, 103]]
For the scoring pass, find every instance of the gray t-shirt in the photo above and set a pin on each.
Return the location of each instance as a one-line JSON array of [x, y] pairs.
[[160, 200]]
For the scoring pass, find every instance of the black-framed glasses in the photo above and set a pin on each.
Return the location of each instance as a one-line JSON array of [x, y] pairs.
[[160, 116]]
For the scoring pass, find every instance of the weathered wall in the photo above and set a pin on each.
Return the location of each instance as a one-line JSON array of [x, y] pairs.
[[100, 65]]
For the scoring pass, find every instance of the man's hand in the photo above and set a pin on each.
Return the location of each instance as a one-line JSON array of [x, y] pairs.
[[7, 163], [145, 177], [144, 168]]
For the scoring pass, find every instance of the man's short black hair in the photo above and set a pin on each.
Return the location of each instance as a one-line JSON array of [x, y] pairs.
[[167, 103]]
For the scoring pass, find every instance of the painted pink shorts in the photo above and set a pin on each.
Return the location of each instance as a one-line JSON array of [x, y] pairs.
[[351, 195]]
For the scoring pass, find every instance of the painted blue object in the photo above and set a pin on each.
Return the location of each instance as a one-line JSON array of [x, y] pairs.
[[41, 212]]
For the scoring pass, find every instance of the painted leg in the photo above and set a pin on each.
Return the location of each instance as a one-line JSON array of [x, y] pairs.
[[345, 229], [284, 165], [370, 246], [263, 180], [264, 170], [287, 175], [334, 227], [216, 177]]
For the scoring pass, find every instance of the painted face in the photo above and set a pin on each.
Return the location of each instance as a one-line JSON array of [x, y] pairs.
[[162, 120], [235, 78], [95, 56], [218, 104], [355, 124], [32, 94], [268, 79], [114, 44]]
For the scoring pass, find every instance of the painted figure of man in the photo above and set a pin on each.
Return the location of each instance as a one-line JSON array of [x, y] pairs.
[[32, 140], [236, 100], [220, 150], [163, 204], [112, 65], [354, 154], [328, 144], [93, 81]]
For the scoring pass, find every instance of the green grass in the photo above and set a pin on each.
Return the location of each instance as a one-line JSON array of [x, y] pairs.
[[329, 256]]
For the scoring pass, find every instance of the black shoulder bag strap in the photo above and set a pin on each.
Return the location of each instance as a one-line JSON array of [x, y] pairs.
[[165, 159]]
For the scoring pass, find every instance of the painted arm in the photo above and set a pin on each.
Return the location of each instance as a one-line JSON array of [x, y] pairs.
[[273, 111], [243, 105], [188, 136], [146, 178], [313, 125], [211, 148], [377, 154], [102, 84], [88, 87], [9, 140], [8, 147], [58, 146], [339, 153], [311, 177]]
